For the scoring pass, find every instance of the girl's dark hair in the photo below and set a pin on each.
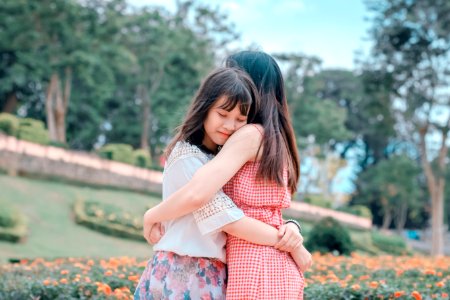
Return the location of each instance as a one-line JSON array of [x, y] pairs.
[[279, 145], [233, 83]]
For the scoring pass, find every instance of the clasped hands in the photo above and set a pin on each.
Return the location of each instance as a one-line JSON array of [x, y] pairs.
[[290, 240]]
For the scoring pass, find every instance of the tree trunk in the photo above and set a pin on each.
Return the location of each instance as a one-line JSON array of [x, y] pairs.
[[436, 185], [437, 222], [11, 103], [57, 102], [387, 215], [401, 215], [51, 90], [143, 94]]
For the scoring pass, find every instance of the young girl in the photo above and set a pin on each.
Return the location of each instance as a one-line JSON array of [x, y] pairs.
[[264, 162], [189, 259]]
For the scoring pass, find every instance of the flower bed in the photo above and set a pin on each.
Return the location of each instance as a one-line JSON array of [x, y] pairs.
[[108, 219], [331, 277]]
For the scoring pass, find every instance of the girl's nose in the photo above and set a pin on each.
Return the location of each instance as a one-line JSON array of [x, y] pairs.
[[230, 125]]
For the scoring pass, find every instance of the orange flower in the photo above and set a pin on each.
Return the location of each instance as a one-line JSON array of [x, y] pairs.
[[46, 282], [63, 281], [121, 276], [108, 273], [416, 295], [430, 272], [356, 287], [105, 289], [364, 277], [64, 272], [440, 284], [398, 294], [373, 284], [444, 295], [133, 277]]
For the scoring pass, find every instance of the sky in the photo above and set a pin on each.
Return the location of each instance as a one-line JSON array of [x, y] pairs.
[[329, 29]]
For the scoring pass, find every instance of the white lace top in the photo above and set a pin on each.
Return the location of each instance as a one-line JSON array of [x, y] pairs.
[[197, 234]]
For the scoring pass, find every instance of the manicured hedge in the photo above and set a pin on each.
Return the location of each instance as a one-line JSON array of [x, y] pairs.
[[108, 219], [329, 235], [9, 124], [13, 227]]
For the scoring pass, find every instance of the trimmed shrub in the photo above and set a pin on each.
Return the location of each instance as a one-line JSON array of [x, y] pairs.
[[329, 235], [357, 210], [108, 219], [392, 244], [12, 223], [9, 124], [142, 158], [117, 152], [58, 144], [33, 131], [318, 200]]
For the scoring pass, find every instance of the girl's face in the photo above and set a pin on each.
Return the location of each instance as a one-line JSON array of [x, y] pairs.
[[220, 124]]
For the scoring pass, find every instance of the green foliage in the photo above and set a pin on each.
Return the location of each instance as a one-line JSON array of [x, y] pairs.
[[9, 124], [392, 184], [58, 144], [357, 210], [64, 279], [318, 200], [329, 235], [394, 244], [12, 223], [33, 130], [142, 158], [118, 152], [108, 219]]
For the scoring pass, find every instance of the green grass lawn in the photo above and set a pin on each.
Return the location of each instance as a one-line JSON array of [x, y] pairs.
[[52, 231]]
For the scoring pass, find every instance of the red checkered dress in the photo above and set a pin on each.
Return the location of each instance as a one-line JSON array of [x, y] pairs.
[[254, 271]]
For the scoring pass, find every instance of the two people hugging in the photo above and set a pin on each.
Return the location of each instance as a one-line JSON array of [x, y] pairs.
[[232, 167]]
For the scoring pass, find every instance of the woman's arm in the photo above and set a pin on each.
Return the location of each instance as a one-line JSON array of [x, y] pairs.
[[240, 148]]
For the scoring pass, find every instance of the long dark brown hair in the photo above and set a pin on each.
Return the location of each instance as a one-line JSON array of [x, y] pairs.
[[279, 145], [233, 83]]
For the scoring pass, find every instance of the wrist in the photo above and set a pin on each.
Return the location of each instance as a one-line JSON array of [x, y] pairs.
[[296, 223]]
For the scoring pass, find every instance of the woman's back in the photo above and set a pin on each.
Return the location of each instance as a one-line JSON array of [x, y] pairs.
[[266, 272]]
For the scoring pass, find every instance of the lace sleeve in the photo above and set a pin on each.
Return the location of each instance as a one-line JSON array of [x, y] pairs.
[[217, 213]]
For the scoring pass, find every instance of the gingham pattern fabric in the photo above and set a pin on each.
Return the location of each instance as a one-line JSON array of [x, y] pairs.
[[254, 271]]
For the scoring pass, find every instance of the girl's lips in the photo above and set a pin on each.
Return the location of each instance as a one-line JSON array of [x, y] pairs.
[[224, 134]]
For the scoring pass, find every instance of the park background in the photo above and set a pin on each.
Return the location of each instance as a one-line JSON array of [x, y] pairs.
[[91, 91]]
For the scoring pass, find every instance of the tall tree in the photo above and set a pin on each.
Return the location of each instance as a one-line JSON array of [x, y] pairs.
[[412, 42]]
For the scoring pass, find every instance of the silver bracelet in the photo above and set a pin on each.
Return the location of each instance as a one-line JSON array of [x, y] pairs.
[[296, 223]]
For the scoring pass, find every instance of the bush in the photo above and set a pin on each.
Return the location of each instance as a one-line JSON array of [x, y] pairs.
[[12, 223], [142, 158], [318, 200], [117, 152], [357, 210], [58, 144], [33, 131], [392, 244], [9, 124], [329, 235], [108, 219]]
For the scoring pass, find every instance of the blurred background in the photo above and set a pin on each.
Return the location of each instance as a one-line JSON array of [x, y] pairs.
[[91, 91]]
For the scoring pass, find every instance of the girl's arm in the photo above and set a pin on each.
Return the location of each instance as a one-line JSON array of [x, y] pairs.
[[240, 148]]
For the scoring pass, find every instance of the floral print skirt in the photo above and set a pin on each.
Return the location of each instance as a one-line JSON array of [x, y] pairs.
[[171, 276]]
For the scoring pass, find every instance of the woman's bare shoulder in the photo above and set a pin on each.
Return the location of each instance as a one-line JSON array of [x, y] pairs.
[[252, 131], [247, 140]]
